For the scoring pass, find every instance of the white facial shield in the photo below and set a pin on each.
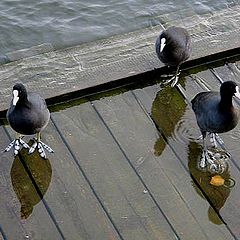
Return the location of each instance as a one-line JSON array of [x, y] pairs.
[[15, 97]]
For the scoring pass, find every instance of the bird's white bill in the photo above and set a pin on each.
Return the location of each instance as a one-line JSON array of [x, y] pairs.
[[163, 44], [15, 97], [237, 93]]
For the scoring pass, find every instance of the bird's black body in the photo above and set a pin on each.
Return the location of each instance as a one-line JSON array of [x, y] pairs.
[[215, 112], [30, 115], [177, 48]]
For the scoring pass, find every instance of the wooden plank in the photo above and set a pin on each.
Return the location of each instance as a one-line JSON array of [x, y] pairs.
[[69, 199], [120, 190], [137, 137], [86, 68], [225, 200], [78, 210], [228, 72], [39, 225], [2, 235], [29, 52], [171, 114]]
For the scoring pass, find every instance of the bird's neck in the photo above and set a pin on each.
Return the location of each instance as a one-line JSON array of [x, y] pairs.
[[23, 102], [226, 103]]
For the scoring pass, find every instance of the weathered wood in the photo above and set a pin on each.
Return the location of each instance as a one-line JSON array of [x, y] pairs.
[[218, 196], [228, 72], [160, 171], [120, 190], [29, 52], [83, 69], [2, 236], [39, 225], [69, 199], [166, 104], [117, 200]]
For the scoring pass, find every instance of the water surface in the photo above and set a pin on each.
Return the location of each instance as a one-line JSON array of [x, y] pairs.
[[67, 22]]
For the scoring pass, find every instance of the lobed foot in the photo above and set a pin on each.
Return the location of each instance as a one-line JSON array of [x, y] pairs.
[[214, 161], [16, 145], [173, 79], [206, 159], [41, 146]]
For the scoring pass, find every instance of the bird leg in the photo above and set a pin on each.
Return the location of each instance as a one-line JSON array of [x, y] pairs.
[[213, 140], [206, 155], [176, 77], [216, 138], [216, 162], [38, 143], [203, 160], [16, 144], [173, 79]]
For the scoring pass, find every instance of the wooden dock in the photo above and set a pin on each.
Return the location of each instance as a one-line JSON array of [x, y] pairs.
[[125, 161]]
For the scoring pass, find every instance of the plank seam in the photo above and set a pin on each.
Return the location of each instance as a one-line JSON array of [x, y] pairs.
[[180, 89], [48, 209], [2, 233], [165, 140], [138, 175], [86, 178], [175, 153]]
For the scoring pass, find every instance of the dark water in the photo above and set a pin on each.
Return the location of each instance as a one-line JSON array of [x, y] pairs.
[[67, 22]]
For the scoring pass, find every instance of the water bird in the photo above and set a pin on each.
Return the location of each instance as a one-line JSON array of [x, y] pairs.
[[27, 115], [173, 47], [215, 114]]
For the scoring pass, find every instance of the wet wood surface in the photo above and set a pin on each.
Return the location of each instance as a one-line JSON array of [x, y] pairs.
[[124, 167], [119, 188], [40, 225], [70, 204], [125, 163]]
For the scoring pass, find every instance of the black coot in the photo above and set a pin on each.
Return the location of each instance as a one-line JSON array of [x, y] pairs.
[[215, 113], [173, 48], [27, 115]]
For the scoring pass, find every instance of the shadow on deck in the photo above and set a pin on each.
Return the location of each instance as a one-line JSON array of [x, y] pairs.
[[124, 167], [125, 161]]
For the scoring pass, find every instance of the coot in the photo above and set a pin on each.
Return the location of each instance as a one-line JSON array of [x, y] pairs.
[[173, 48], [28, 114], [215, 113]]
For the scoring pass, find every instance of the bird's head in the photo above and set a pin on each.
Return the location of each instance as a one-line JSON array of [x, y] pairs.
[[19, 93]]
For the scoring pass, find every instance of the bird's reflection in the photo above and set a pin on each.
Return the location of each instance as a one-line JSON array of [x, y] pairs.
[[31, 177], [217, 195], [167, 109]]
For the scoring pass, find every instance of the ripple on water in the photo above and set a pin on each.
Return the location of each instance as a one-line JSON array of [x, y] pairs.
[[186, 130], [67, 22]]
